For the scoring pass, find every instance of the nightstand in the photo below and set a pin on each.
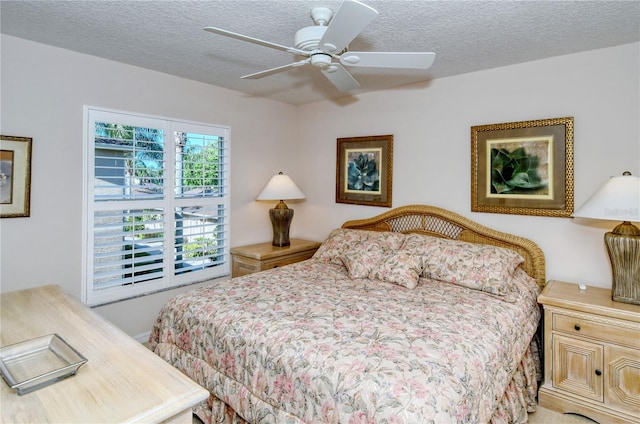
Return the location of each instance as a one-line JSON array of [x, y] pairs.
[[592, 353], [259, 257]]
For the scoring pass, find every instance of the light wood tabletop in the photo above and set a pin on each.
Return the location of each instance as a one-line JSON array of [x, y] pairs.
[[122, 380]]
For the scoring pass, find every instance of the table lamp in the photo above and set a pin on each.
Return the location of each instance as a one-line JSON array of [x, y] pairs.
[[619, 200], [281, 187]]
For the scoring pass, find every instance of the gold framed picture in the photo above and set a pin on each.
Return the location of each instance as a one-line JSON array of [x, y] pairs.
[[523, 168], [15, 176], [364, 170]]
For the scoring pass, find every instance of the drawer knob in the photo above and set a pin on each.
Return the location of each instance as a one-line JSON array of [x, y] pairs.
[[576, 327], [598, 372]]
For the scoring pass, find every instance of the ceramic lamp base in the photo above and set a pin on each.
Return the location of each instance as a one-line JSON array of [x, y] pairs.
[[623, 246], [281, 217]]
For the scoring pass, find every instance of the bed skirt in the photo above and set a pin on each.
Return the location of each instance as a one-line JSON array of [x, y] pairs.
[[517, 402]]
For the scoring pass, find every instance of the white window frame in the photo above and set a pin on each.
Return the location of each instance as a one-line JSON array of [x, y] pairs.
[[95, 297]]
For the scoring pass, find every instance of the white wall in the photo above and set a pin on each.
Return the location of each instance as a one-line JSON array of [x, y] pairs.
[[432, 146], [44, 89], [43, 93]]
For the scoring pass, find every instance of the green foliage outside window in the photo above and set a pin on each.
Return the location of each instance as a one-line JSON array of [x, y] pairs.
[[136, 224], [200, 247], [200, 166]]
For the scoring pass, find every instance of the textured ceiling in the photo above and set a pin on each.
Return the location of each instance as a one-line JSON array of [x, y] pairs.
[[467, 36]]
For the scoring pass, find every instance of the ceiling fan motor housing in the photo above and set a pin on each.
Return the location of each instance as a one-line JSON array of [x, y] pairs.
[[308, 38]]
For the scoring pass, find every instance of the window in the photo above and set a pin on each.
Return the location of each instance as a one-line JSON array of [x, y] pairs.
[[156, 204]]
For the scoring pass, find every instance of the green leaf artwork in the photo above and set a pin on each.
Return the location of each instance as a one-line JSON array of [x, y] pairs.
[[362, 173], [514, 171]]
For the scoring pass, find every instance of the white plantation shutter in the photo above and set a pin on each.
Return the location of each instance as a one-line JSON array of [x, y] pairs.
[[156, 204]]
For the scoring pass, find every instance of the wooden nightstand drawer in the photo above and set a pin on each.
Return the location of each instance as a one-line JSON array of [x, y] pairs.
[[260, 257], [290, 259], [604, 329]]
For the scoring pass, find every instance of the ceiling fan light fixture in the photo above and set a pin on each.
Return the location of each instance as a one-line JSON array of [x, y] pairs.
[[321, 60]]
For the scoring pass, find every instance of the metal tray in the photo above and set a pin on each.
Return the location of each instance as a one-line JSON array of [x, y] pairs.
[[36, 363]]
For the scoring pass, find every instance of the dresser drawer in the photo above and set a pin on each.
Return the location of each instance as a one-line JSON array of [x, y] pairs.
[[606, 330]]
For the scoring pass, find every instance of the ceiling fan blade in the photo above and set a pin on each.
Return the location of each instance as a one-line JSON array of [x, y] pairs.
[[256, 41], [408, 60], [349, 21], [276, 70], [340, 77]]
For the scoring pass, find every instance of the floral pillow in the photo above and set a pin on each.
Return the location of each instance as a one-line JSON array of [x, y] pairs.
[[340, 240], [476, 266], [522, 286], [401, 268], [361, 258]]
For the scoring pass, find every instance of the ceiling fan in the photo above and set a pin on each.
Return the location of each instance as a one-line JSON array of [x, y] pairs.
[[324, 46]]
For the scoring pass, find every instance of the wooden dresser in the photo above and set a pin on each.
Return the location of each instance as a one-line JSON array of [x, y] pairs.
[[122, 380], [592, 354], [262, 256]]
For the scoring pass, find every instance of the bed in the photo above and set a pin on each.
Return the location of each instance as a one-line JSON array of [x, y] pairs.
[[416, 315]]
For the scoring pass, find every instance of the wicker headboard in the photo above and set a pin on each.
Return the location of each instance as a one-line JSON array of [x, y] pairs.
[[438, 222]]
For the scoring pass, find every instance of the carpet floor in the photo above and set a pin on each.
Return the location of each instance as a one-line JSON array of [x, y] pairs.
[[547, 416]]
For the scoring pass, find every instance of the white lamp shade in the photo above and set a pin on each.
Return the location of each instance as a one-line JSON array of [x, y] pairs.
[[280, 187], [617, 200]]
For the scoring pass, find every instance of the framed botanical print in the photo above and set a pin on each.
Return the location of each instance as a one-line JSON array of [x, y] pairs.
[[523, 168], [364, 170]]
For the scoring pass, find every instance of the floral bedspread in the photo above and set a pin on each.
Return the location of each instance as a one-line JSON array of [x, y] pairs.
[[307, 344]]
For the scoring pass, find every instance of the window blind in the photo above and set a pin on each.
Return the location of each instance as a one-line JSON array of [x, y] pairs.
[[157, 199]]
